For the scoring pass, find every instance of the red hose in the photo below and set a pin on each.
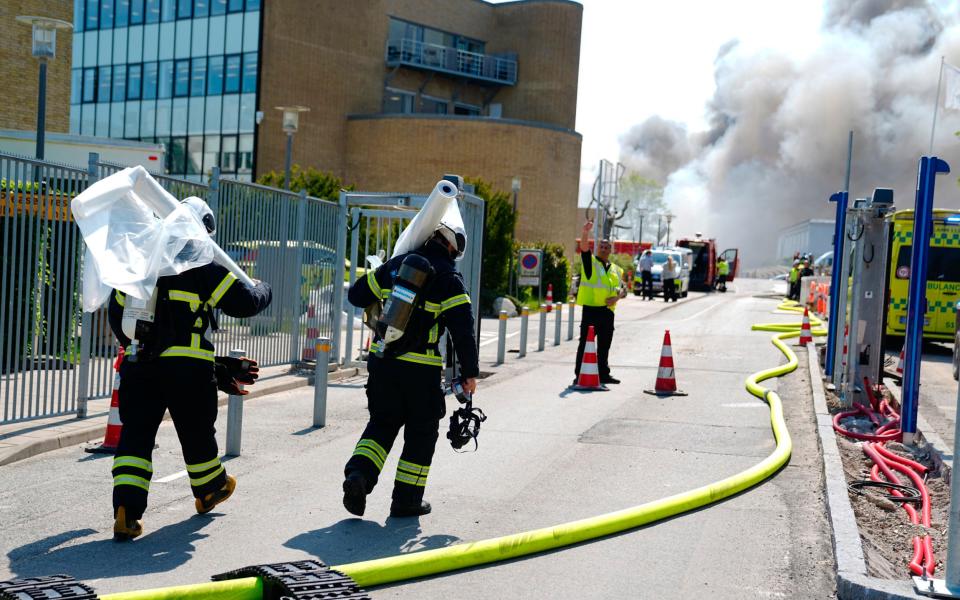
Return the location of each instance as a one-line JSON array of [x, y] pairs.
[[902, 460]]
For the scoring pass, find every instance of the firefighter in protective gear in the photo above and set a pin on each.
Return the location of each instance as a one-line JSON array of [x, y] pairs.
[[600, 290], [404, 387], [175, 371]]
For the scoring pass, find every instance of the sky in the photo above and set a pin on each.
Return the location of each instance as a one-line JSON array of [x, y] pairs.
[[640, 58]]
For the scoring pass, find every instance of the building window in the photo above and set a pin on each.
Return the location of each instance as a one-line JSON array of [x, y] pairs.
[[245, 154], [228, 154], [181, 78], [169, 10], [176, 155], [249, 72], [235, 5], [198, 77], [136, 12], [253, 4], [184, 9], [76, 86], [91, 15], [104, 81], [232, 74], [106, 14], [89, 85], [149, 81], [433, 105], [122, 18], [201, 8], [215, 75], [466, 109], [119, 84], [152, 12], [134, 75], [218, 7], [397, 101], [165, 86], [194, 155]]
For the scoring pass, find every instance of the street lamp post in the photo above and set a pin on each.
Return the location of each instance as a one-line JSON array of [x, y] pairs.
[[44, 48], [515, 185], [659, 230], [291, 122], [669, 218]]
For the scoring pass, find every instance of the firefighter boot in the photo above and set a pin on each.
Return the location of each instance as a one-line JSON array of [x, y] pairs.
[[355, 493], [126, 529], [400, 510], [208, 501]]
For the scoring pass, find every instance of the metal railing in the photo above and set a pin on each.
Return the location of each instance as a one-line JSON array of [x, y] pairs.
[[54, 357], [488, 67]]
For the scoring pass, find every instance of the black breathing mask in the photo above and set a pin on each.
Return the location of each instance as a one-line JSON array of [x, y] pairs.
[[465, 421]]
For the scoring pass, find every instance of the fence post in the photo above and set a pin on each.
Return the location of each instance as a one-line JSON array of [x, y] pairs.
[[351, 310], [320, 382], [524, 323], [86, 319], [502, 338], [558, 308], [338, 273], [213, 192], [234, 416], [573, 304], [543, 328], [296, 303]]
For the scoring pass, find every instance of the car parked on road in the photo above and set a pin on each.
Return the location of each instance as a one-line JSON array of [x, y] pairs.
[[684, 259]]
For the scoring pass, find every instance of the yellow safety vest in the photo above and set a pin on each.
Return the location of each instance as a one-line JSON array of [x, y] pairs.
[[723, 268], [602, 284]]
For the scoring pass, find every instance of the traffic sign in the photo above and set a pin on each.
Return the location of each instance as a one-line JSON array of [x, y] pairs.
[[530, 267]]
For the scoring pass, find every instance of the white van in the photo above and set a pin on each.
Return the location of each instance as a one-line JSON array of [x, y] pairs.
[[684, 259]]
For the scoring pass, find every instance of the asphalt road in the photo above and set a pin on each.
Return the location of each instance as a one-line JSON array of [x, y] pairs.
[[546, 456]]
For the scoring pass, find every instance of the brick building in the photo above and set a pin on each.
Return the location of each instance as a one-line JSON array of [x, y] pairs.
[[20, 69], [399, 91]]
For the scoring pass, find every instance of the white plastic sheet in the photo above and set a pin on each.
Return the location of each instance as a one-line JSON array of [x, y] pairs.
[[128, 245], [422, 226]]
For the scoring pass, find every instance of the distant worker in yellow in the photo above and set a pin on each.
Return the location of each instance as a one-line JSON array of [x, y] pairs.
[[600, 290], [723, 269], [794, 279]]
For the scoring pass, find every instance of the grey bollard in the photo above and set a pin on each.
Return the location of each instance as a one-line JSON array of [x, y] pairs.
[[502, 338], [570, 321], [234, 416], [558, 308], [320, 374], [524, 323], [543, 328]]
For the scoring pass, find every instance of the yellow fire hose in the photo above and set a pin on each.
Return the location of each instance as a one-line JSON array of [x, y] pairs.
[[430, 562]]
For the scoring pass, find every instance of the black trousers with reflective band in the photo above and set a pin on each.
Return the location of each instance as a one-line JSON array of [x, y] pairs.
[[404, 395], [601, 318], [188, 389]]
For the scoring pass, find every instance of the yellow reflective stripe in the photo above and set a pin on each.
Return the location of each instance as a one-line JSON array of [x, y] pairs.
[[413, 467], [367, 452], [414, 357], [374, 286], [221, 289], [133, 461], [187, 352], [120, 297], [200, 468], [183, 296], [411, 479], [434, 334], [432, 307], [206, 478], [454, 301], [195, 340], [385, 293], [373, 445], [133, 480]]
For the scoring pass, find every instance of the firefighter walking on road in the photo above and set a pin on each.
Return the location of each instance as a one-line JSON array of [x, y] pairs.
[[172, 366], [404, 387], [600, 290]]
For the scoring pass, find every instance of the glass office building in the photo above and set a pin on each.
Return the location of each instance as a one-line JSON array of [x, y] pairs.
[[183, 73]]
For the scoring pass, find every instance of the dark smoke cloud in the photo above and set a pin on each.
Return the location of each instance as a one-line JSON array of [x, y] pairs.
[[775, 146]]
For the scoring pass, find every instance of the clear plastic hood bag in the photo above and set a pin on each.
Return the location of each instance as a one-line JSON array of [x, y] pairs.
[[128, 245]]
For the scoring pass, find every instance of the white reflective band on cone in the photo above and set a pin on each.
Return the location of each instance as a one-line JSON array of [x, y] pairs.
[[589, 368]]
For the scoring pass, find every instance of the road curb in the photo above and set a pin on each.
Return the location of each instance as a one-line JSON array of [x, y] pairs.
[[853, 583], [80, 431]]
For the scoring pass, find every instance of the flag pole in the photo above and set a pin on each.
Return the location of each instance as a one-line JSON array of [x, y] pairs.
[[936, 105]]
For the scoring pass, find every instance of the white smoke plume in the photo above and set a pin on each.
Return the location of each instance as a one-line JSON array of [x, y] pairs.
[[776, 147]]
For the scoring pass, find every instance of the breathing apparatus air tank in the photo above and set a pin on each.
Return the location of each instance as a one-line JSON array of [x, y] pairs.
[[137, 321], [408, 288]]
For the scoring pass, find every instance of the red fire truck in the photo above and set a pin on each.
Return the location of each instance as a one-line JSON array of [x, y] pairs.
[[703, 274]]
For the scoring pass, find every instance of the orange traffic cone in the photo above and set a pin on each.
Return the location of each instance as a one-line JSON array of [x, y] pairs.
[[805, 336], [903, 352], [589, 379], [666, 384], [112, 437], [549, 300]]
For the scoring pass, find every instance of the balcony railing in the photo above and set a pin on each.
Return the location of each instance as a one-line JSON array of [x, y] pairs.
[[485, 67]]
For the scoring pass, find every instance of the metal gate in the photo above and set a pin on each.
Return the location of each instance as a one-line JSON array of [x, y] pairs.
[[375, 222]]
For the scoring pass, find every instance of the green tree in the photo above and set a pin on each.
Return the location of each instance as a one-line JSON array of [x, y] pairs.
[[556, 271], [646, 198], [497, 233], [318, 184]]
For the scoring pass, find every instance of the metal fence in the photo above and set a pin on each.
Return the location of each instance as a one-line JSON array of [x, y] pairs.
[[53, 356]]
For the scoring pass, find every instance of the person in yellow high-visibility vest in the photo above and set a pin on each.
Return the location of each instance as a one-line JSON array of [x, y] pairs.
[[723, 270], [600, 290]]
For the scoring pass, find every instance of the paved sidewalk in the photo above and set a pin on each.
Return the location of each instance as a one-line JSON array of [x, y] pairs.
[[25, 439]]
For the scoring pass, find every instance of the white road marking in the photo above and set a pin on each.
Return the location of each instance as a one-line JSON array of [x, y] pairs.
[[509, 335], [176, 475]]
